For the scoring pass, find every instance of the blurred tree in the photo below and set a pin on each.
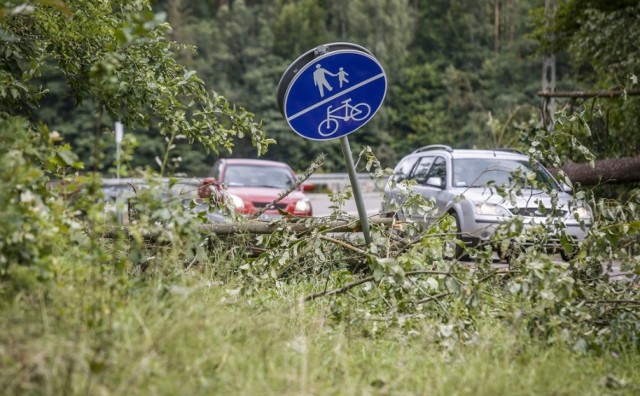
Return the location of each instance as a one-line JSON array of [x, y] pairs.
[[470, 64], [385, 27], [114, 56], [243, 51], [459, 72], [602, 40]]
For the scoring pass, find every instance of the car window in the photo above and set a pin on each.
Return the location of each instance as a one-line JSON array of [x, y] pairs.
[[438, 169], [258, 176], [403, 169], [478, 172], [422, 170]]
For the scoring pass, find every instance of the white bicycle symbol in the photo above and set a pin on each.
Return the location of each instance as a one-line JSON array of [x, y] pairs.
[[330, 125]]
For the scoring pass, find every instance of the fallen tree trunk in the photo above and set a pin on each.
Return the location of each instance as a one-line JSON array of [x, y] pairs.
[[615, 170], [613, 93], [262, 227]]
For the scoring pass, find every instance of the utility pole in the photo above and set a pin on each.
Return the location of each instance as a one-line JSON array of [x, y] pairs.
[[549, 70]]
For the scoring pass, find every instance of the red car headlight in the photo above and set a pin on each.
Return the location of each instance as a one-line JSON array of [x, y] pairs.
[[303, 206]]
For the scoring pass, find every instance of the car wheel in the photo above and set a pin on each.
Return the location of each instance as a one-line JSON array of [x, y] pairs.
[[566, 256], [509, 253], [459, 251]]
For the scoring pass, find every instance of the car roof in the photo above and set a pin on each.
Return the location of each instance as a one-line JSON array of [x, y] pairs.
[[504, 153], [487, 154], [252, 161]]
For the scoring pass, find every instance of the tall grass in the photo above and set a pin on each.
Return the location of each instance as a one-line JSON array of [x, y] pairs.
[[188, 333]]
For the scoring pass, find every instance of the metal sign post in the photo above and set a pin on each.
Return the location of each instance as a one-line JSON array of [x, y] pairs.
[[330, 92], [119, 134], [357, 195]]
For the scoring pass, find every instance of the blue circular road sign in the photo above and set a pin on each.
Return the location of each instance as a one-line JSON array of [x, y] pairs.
[[332, 91]]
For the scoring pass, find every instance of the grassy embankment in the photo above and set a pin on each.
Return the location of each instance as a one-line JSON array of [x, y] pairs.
[[187, 334]]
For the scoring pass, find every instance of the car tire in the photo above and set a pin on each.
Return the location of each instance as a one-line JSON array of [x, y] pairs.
[[512, 252], [566, 256], [459, 251]]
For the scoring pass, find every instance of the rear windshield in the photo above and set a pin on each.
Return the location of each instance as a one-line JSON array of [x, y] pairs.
[[479, 172]]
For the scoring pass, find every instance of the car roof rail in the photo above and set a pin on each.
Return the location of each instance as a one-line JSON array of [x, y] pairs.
[[434, 147], [508, 150]]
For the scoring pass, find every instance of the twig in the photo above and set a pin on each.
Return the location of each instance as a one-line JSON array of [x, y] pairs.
[[340, 290], [195, 258], [343, 244], [497, 272], [434, 297], [351, 285], [630, 302], [428, 272], [295, 260]]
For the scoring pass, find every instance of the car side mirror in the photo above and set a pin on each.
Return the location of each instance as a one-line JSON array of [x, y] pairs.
[[398, 177], [566, 188], [434, 182]]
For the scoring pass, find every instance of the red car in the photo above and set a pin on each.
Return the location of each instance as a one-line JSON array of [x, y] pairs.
[[252, 184]]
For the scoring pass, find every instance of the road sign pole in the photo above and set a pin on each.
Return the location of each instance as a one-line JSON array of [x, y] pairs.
[[357, 194], [119, 133]]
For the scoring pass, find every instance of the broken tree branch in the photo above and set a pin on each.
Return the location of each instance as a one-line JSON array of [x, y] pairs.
[[261, 227], [343, 289], [434, 297]]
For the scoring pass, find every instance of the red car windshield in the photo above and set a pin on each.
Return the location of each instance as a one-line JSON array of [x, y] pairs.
[[257, 176]]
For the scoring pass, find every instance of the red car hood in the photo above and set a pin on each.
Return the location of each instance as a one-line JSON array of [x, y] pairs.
[[264, 194]]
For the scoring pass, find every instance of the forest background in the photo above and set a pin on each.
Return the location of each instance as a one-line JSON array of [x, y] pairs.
[[463, 73]]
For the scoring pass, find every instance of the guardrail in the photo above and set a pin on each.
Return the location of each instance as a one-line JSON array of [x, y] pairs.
[[189, 185], [339, 181]]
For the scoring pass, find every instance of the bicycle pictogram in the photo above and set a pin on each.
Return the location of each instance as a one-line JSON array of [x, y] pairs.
[[346, 112]]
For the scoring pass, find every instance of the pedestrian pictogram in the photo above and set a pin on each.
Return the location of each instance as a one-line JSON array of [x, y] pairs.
[[320, 79], [342, 76]]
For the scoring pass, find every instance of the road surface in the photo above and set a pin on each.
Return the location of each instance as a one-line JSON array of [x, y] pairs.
[[320, 204]]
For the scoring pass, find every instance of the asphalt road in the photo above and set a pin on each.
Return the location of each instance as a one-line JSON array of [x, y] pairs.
[[320, 204]]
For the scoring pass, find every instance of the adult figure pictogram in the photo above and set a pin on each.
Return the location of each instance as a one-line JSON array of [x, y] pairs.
[[320, 79]]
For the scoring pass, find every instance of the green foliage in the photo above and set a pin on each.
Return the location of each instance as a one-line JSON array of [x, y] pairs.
[[36, 224], [601, 40], [160, 306], [417, 110], [306, 18], [597, 43], [116, 55], [129, 299], [455, 33]]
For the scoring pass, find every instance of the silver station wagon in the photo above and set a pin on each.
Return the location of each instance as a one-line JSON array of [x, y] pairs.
[[482, 189]]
